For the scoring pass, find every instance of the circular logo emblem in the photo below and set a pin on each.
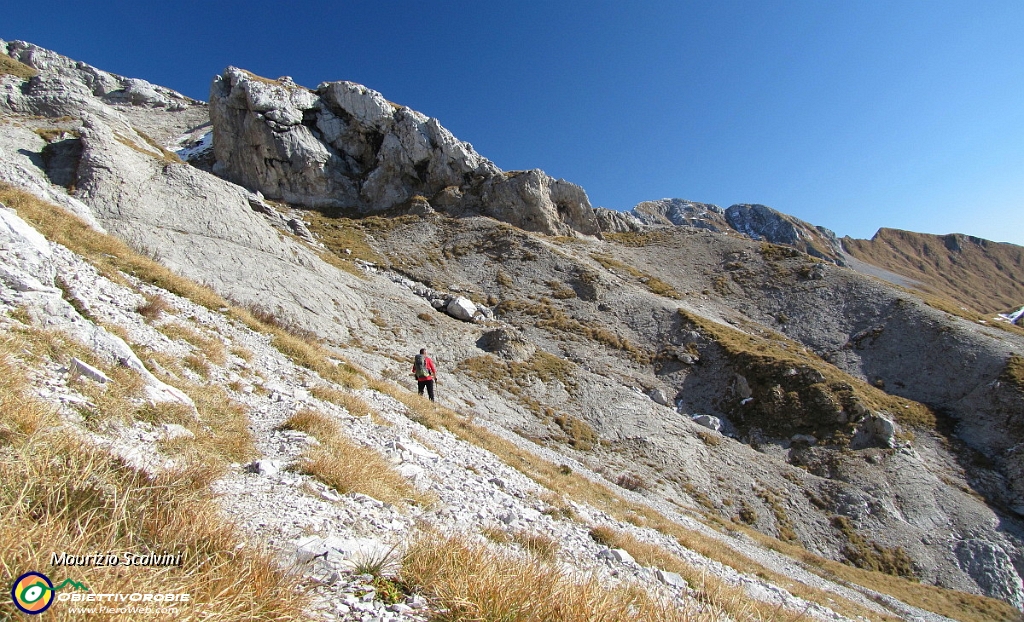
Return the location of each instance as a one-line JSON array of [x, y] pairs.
[[32, 592]]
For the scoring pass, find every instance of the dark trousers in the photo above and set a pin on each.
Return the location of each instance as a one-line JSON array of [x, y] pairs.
[[429, 384]]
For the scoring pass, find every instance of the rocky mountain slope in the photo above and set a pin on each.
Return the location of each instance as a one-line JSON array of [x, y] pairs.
[[984, 276], [758, 222], [739, 388]]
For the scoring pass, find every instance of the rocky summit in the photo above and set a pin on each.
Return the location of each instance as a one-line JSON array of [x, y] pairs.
[[721, 414]]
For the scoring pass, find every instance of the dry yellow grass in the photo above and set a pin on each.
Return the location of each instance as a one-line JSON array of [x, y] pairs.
[[11, 67], [212, 348], [59, 494], [355, 405], [475, 582], [221, 430], [348, 466], [314, 423], [726, 597], [540, 545], [153, 307], [115, 401]]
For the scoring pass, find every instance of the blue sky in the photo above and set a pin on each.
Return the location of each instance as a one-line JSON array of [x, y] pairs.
[[852, 115]]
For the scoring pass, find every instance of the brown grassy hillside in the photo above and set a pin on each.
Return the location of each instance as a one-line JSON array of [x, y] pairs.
[[984, 276]]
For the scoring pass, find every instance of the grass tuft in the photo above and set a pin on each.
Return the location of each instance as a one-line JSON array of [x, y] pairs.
[[471, 581], [348, 466]]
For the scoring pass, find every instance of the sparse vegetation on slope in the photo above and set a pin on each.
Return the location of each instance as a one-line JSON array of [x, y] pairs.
[[982, 275], [348, 466], [794, 391], [652, 283], [472, 581], [60, 490], [18, 69], [1014, 371], [551, 318], [569, 484]]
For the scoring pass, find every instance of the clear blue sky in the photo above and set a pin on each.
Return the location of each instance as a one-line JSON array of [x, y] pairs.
[[852, 115]]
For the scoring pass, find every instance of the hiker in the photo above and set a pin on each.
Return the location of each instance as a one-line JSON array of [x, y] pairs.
[[426, 373]]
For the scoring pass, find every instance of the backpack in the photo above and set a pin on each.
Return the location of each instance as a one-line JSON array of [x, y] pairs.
[[420, 367]]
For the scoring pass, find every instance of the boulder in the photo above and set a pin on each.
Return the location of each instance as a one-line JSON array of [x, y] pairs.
[[461, 308], [345, 146], [742, 387], [709, 422], [618, 555], [79, 367], [876, 430], [265, 467], [671, 579], [660, 397]]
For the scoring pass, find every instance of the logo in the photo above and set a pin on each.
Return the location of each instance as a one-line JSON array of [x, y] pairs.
[[33, 592]]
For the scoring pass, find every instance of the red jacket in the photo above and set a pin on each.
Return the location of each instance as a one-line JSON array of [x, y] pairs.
[[429, 362]]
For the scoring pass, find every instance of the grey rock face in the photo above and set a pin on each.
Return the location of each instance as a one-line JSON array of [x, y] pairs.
[[993, 570], [205, 228], [612, 221], [461, 308], [345, 146], [681, 212], [68, 87], [761, 222]]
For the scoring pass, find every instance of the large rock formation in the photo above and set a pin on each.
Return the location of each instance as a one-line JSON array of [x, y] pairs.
[[345, 146], [681, 212], [761, 222], [613, 221], [63, 87]]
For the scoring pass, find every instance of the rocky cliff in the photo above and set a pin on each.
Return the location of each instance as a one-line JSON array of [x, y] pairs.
[[344, 146], [725, 383]]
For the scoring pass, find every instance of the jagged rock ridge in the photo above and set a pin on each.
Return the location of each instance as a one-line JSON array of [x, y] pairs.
[[758, 222], [345, 146]]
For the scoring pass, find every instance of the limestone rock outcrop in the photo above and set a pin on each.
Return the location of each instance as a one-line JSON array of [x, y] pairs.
[[681, 212], [613, 221], [761, 222], [66, 87], [344, 146]]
